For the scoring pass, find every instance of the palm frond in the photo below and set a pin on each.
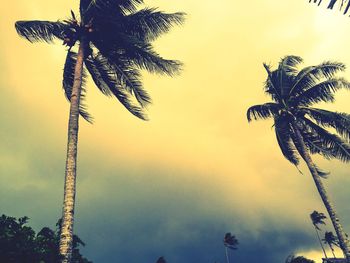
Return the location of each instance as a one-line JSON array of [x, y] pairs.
[[321, 172], [130, 78], [146, 58], [97, 78], [148, 24], [129, 5], [93, 8], [105, 75], [120, 46], [323, 91], [339, 121], [331, 143], [68, 80], [289, 64], [272, 87], [285, 73], [333, 3], [285, 142], [262, 111], [310, 76], [35, 31]]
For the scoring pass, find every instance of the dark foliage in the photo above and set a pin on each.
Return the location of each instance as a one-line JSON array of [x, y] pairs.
[[161, 260], [330, 239], [342, 5], [299, 259], [317, 219], [230, 241], [117, 38], [20, 244], [294, 92]]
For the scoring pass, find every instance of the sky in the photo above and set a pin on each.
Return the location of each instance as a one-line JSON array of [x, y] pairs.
[[172, 186]]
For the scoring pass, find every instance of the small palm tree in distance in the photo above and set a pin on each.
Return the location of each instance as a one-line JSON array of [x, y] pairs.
[[318, 219], [331, 240], [230, 242]]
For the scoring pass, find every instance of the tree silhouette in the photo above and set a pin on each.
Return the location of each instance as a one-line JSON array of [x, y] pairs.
[[299, 259], [230, 242], [114, 43], [20, 244], [318, 219], [331, 240], [301, 130], [161, 260]]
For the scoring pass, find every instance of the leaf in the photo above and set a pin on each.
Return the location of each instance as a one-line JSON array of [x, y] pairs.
[[68, 80], [35, 31]]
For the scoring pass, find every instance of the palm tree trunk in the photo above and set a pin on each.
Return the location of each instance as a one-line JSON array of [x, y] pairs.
[[319, 239], [66, 237], [226, 252], [343, 241], [332, 249]]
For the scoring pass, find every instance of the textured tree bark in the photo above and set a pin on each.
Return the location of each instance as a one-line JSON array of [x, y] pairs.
[[66, 237], [343, 241]]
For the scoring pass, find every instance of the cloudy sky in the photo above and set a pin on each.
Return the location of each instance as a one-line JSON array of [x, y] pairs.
[[175, 185]]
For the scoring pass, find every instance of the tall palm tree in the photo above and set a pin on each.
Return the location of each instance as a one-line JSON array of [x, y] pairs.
[[331, 240], [230, 242], [343, 5], [114, 43], [318, 219], [301, 129]]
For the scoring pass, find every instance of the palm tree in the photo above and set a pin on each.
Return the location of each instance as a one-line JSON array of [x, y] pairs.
[[344, 5], [330, 239], [114, 43], [230, 242], [318, 219], [301, 130]]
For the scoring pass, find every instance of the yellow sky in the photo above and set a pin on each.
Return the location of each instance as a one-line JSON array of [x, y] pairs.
[[198, 119]]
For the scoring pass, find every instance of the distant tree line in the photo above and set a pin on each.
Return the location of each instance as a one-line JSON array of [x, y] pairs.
[[20, 244]]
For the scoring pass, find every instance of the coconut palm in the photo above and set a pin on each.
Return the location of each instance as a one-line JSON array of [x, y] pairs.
[[301, 129], [343, 5], [318, 219], [230, 242], [114, 43], [331, 240]]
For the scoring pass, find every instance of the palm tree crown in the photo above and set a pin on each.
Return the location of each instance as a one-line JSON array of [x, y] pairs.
[[117, 40], [230, 241], [330, 239], [317, 219], [294, 92]]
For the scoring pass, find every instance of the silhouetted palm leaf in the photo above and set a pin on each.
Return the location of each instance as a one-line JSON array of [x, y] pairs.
[[343, 5], [68, 79], [35, 31], [148, 24]]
